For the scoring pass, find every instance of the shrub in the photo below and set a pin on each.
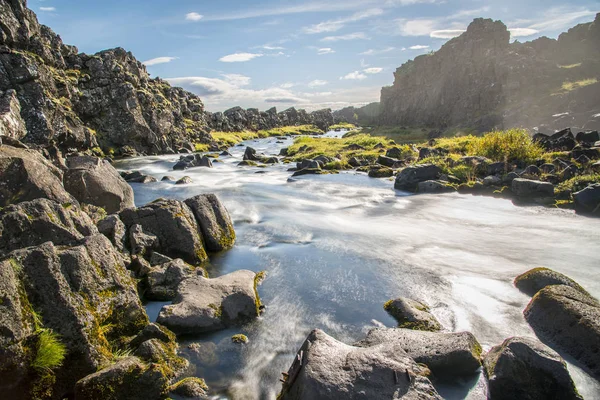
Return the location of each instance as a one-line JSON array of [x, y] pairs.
[[511, 145], [50, 351]]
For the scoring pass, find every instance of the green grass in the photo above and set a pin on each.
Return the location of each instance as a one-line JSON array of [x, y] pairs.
[[233, 138], [239, 338], [578, 183], [309, 147], [399, 134], [342, 125], [510, 145], [50, 351]]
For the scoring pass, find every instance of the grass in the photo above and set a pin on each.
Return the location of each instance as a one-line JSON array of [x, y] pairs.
[[239, 338], [233, 138], [50, 352], [342, 125], [508, 146], [309, 147], [578, 183], [569, 86]]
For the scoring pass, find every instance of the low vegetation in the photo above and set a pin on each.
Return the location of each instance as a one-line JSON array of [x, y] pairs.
[[362, 145], [50, 351], [233, 138], [342, 125]]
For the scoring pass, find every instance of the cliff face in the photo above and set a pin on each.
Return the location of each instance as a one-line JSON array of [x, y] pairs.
[[237, 119], [480, 80], [76, 101]]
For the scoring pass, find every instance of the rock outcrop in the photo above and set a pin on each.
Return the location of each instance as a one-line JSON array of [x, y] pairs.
[[524, 368], [482, 81], [204, 304], [325, 368], [409, 178], [570, 320], [214, 220]]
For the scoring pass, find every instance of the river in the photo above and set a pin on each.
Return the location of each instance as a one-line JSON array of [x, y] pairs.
[[336, 247]]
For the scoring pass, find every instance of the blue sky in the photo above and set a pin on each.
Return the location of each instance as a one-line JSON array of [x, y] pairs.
[[303, 53]]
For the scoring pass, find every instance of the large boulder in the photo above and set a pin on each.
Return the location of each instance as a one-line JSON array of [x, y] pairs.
[[524, 368], [114, 229], [570, 320], [325, 368], [412, 314], [435, 187], [162, 280], [250, 154], [27, 175], [204, 304], [128, 378], [214, 220], [446, 354], [536, 279], [83, 294], [11, 122], [32, 223], [94, 181], [588, 200], [527, 188], [409, 177], [173, 223]]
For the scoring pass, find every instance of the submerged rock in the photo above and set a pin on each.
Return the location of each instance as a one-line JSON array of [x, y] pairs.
[[536, 279], [214, 221], [325, 368], [26, 175], [94, 181], [184, 181], [524, 368], [409, 177], [412, 314], [32, 223], [446, 354], [569, 320], [175, 226], [204, 304]]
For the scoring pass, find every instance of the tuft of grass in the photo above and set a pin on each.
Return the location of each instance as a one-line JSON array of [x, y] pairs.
[[569, 86], [508, 146], [50, 351], [201, 147], [310, 147], [578, 183], [342, 125], [291, 130]]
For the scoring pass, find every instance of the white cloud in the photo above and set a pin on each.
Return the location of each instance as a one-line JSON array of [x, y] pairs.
[[337, 24], [158, 60], [560, 18], [418, 47], [287, 85], [446, 33], [356, 75], [193, 16], [521, 32], [350, 36], [363, 63], [239, 57], [417, 27], [325, 50], [373, 70], [267, 47], [372, 52], [317, 82], [48, 9], [237, 79]]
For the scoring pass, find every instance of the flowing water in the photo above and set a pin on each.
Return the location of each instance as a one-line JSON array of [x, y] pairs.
[[336, 247]]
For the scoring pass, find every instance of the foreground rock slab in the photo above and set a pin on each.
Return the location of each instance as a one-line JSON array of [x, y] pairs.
[[409, 177], [536, 279], [570, 321], [524, 368], [412, 314], [445, 354], [214, 220], [325, 368], [204, 304]]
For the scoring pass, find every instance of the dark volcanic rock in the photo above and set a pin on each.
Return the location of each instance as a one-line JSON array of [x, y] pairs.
[[588, 200], [409, 177], [325, 368], [94, 181], [536, 279], [524, 368], [175, 226], [162, 280], [214, 220], [527, 188], [570, 321]]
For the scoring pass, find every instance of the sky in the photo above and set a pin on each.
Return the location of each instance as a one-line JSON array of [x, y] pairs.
[[301, 53]]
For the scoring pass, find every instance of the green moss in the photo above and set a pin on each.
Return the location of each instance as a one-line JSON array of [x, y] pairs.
[[217, 309], [258, 278], [201, 147], [185, 381], [239, 338], [50, 351], [342, 125]]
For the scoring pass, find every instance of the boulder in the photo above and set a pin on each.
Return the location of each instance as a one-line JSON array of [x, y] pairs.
[[182, 165], [140, 242], [168, 178], [247, 163], [26, 175], [325, 368], [431, 186], [497, 168], [313, 164], [589, 137], [175, 226], [587, 201], [570, 321], [395, 152], [524, 368], [427, 152], [32, 223], [250, 154], [114, 229], [94, 181], [184, 181], [380, 172], [412, 314], [162, 280], [202, 161], [492, 180], [12, 124], [446, 354], [192, 388], [536, 279], [308, 171], [409, 177], [214, 221], [204, 304], [527, 188], [128, 378], [387, 161]]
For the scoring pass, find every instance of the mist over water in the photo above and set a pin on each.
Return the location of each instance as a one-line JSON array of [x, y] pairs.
[[336, 247]]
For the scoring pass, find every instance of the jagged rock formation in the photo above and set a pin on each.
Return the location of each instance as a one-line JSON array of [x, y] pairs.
[[237, 119], [79, 102], [480, 80]]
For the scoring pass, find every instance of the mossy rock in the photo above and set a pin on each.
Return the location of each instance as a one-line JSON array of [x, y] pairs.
[[191, 387], [536, 279], [412, 314], [239, 338]]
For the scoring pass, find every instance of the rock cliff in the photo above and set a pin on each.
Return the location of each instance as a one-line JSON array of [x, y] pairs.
[[481, 80]]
